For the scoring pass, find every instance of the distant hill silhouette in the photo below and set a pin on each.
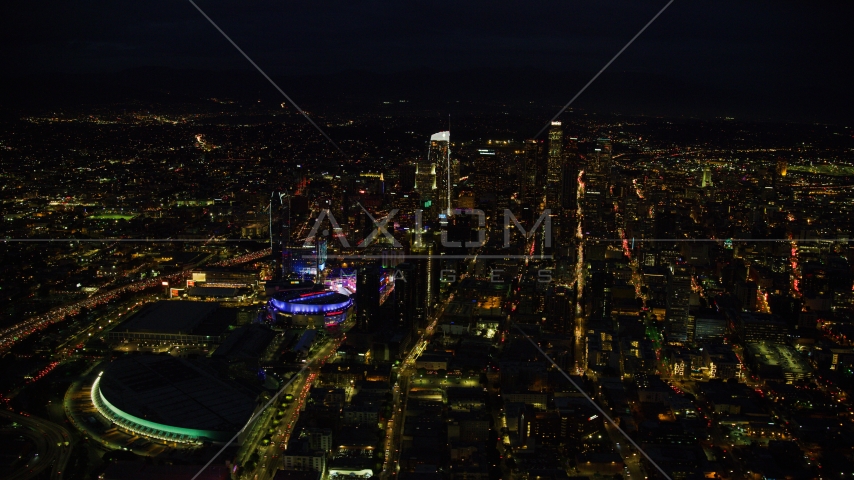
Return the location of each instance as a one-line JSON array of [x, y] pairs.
[[614, 91]]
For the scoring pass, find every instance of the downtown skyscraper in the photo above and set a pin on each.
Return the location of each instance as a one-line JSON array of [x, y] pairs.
[[530, 182], [603, 157], [554, 171], [433, 174], [678, 302], [440, 156]]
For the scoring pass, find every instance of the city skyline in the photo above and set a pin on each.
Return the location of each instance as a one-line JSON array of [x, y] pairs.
[[241, 243]]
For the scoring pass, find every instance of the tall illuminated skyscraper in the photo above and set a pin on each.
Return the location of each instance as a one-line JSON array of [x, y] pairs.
[[425, 180], [707, 178], [554, 171], [280, 234], [530, 194], [569, 175], [433, 174], [439, 157], [678, 302], [603, 155], [427, 271]]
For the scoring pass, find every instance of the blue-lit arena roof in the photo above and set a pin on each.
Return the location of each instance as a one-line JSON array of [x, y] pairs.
[[311, 303]]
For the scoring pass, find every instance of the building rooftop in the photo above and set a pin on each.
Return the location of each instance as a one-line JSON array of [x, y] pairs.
[[197, 318], [312, 298], [247, 342], [142, 471], [175, 392], [221, 292], [782, 356]]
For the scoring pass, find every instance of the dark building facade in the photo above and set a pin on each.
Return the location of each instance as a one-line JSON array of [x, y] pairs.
[[368, 297]]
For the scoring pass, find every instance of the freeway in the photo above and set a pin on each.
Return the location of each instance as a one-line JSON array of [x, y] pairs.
[[53, 446], [35, 463], [20, 331], [68, 351], [14, 334], [103, 324]]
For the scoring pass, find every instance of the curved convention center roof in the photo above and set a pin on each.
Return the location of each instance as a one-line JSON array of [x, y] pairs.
[[171, 399], [310, 303]]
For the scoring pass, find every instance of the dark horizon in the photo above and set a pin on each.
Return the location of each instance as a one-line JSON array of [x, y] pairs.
[[763, 61], [617, 93]]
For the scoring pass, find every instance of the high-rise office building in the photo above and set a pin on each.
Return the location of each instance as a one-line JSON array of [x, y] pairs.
[[678, 302], [571, 170], [409, 288], [530, 194], [368, 298], [425, 180], [707, 178], [428, 273], [280, 234], [600, 289], [440, 155], [554, 173], [560, 309], [569, 183], [433, 175], [305, 261], [604, 155], [407, 177]]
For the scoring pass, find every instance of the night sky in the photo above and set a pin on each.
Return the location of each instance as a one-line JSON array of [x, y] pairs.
[[760, 58]]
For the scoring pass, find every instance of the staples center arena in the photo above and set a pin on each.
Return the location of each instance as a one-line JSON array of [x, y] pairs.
[[311, 309]]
